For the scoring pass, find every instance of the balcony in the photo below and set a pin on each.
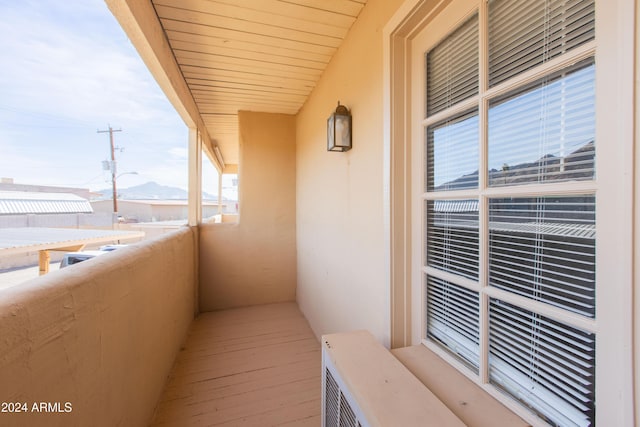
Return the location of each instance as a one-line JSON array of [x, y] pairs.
[[256, 366], [158, 332], [119, 340], [115, 341]]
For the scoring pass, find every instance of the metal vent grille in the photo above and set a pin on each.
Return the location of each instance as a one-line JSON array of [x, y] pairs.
[[338, 411], [332, 400]]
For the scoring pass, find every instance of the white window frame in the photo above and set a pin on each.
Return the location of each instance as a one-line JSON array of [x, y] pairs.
[[615, 173]]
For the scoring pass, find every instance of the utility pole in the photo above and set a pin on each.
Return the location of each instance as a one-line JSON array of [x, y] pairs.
[[113, 166]]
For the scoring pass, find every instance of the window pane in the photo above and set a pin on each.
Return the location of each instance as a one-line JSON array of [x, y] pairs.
[[546, 365], [526, 33], [452, 154], [546, 131], [452, 236], [452, 319], [544, 248], [452, 68]]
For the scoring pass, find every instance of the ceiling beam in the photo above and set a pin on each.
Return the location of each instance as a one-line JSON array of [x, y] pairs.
[[139, 20]]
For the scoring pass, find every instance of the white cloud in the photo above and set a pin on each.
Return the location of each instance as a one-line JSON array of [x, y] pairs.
[[73, 76], [69, 70]]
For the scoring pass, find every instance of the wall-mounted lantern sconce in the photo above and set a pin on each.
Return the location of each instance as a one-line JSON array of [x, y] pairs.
[[339, 129]]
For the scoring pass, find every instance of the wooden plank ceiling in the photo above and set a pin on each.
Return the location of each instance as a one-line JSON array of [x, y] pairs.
[[255, 55]]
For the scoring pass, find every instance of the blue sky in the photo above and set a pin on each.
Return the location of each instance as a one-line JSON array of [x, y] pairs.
[[68, 70]]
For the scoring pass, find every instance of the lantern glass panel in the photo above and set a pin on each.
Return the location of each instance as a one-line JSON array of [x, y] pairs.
[[331, 133], [343, 131]]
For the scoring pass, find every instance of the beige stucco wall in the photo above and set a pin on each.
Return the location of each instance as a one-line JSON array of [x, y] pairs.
[[341, 263], [254, 260], [101, 335]]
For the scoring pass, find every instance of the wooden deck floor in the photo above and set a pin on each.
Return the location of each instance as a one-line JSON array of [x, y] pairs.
[[256, 366]]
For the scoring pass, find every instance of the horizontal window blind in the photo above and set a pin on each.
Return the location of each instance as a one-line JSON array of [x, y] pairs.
[[452, 68], [452, 319], [544, 248], [546, 365], [541, 244], [526, 33], [452, 153], [546, 131], [452, 236]]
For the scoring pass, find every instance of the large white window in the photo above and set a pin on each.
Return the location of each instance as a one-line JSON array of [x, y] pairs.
[[508, 198]]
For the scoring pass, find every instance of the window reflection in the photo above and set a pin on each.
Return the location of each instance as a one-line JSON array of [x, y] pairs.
[[544, 248], [546, 131], [452, 236], [452, 154]]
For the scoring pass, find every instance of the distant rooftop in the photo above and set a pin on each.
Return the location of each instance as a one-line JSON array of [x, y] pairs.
[[23, 202], [29, 239], [7, 184]]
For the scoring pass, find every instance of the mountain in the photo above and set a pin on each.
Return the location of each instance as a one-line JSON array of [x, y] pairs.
[[150, 191], [578, 165]]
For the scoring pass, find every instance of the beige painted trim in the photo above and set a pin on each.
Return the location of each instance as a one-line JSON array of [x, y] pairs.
[[140, 22], [410, 18], [210, 153], [195, 177], [220, 193], [397, 237], [194, 207], [615, 244], [636, 225]]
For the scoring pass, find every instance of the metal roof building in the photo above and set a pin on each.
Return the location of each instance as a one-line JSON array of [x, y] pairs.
[[20, 202], [29, 239]]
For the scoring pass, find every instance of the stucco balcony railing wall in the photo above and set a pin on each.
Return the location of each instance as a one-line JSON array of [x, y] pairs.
[[113, 342], [96, 342]]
